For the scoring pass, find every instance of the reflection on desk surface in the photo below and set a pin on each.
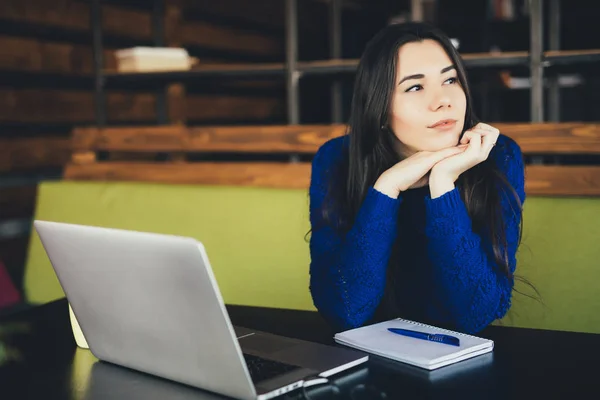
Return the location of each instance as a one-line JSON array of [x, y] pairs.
[[480, 363], [109, 381]]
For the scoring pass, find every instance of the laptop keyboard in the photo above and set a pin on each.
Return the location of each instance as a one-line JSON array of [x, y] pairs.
[[262, 369]]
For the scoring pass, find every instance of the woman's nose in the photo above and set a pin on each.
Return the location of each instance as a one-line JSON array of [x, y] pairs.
[[440, 100]]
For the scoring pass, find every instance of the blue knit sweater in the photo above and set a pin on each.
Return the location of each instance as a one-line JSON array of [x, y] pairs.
[[448, 275]]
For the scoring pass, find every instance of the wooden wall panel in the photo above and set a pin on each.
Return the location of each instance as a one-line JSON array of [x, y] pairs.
[[562, 180], [541, 138], [554, 180], [35, 55], [262, 139], [32, 54], [227, 38], [60, 106], [274, 175], [77, 107], [540, 180], [75, 15], [268, 13], [34, 152], [555, 138], [224, 33], [137, 24], [235, 107]]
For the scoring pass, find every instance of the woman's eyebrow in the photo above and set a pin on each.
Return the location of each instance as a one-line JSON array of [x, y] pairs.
[[421, 76], [416, 76]]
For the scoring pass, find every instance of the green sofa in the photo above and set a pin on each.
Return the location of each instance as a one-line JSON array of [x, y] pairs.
[[256, 241]]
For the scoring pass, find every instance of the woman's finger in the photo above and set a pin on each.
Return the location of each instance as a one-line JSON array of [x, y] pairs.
[[469, 134], [474, 144], [487, 127], [466, 137], [488, 142], [484, 132], [445, 153], [481, 132]]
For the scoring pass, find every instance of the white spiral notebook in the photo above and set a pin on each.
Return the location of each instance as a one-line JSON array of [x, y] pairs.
[[377, 340]]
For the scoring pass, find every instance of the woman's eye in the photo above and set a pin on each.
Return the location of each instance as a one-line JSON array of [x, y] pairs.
[[451, 80], [414, 88]]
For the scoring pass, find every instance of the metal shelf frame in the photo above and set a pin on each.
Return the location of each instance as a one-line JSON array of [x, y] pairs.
[[292, 70]]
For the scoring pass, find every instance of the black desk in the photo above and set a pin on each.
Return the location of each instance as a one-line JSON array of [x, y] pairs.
[[525, 364]]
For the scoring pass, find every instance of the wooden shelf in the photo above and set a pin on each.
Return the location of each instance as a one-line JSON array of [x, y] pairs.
[[205, 71], [320, 67], [572, 56], [278, 70]]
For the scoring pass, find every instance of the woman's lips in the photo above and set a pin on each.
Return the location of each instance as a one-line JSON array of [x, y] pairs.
[[444, 124]]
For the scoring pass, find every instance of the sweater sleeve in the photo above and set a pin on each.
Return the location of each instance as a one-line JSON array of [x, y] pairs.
[[348, 272], [465, 273]]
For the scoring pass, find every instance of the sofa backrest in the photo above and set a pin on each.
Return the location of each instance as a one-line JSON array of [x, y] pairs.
[[560, 256], [255, 237]]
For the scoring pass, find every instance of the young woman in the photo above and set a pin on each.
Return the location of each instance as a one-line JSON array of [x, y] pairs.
[[416, 212]]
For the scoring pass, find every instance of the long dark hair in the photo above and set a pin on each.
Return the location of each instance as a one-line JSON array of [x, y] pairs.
[[370, 149]]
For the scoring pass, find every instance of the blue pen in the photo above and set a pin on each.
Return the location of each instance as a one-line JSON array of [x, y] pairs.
[[439, 338]]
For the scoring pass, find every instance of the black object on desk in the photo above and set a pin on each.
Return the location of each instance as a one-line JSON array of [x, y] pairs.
[[39, 360]]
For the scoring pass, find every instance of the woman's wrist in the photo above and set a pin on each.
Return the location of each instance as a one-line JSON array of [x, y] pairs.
[[387, 187], [440, 184]]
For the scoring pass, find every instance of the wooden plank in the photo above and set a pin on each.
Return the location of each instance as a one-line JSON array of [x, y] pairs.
[[233, 107], [33, 55], [292, 138], [148, 138], [547, 138], [56, 106], [497, 55], [177, 103], [217, 67], [353, 62], [562, 180], [540, 180], [554, 138], [210, 35], [284, 138], [17, 202], [271, 175], [72, 14], [571, 53], [175, 93], [33, 153], [303, 66], [265, 12], [137, 24]]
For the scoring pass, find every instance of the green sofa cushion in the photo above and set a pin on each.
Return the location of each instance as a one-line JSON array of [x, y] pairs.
[[255, 240], [254, 237], [560, 256]]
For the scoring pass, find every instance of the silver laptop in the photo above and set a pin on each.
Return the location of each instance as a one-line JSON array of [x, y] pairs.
[[150, 302]]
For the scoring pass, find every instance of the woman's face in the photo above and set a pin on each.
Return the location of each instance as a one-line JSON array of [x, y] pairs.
[[428, 103]]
